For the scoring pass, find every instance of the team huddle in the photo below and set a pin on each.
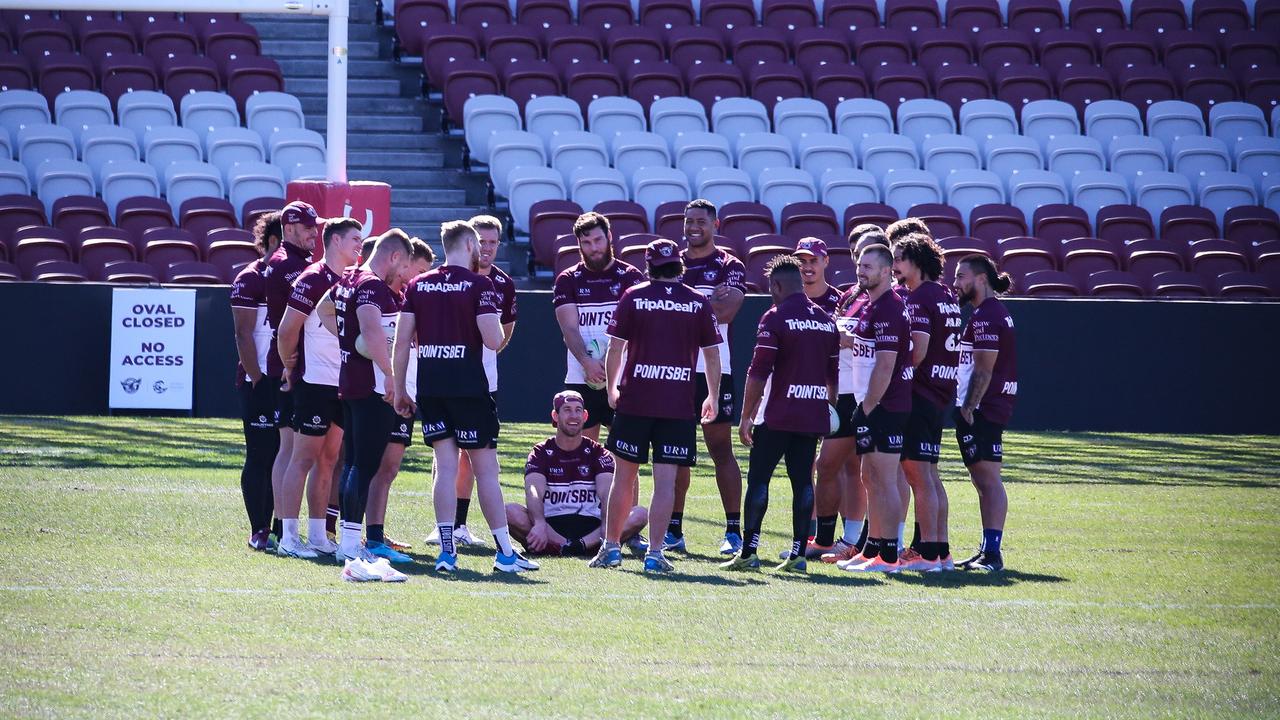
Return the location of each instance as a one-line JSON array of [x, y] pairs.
[[339, 358]]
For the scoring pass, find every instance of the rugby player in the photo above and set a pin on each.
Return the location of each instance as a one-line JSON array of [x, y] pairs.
[[935, 354], [881, 357], [988, 387], [794, 367], [489, 228], [896, 231], [311, 363], [722, 279], [460, 315], [659, 325], [567, 479], [401, 435], [257, 399], [364, 306], [298, 232], [584, 297]]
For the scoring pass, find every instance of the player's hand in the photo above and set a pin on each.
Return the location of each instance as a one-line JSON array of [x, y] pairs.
[[555, 539], [744, 433], [966, 412], [286, 382], [709, 410], [593, 369], [389, 397], [404, 405], [613, 398], [720, 293], [538, 539]]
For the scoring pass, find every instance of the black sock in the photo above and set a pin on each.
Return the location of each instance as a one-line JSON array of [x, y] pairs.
[[944, 549], [915, 539], [373, 533], [870, 548], [753, 541], [573, 547], [675, 528], [798, 547], [331, 519], [460, 516], [929, 550], [277, 527], [733, 523], [862, 538], [826, 534], [889, 549]]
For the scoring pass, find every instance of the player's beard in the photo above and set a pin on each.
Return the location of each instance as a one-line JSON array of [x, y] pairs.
[[475, 258], [706, 239], [597, 266], [965, 296]]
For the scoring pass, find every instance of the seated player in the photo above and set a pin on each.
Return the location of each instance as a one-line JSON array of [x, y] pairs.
[[567, 480]]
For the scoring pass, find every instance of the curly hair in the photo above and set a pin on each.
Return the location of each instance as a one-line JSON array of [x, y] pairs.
[[923, 252]]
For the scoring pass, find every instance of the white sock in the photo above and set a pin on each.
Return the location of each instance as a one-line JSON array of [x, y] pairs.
[[291, 529], [349, 540], [315, 530], [503, 538], [902, 530], [852, 531]]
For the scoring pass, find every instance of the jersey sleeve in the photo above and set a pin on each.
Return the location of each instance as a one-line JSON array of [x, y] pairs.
[[304, 296], [248, 291], [376, 294], [833, 359], [735, 274], [509, 312], [922, 315], [534, 463], [986, 332], [766, 352], [708, 330], [888, 331], [486, 298], [620, 324], [632, 277], [604, 463], [562, 291]]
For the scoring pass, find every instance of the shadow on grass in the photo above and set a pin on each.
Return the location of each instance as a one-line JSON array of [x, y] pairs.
[[961, 579], [687, 578]]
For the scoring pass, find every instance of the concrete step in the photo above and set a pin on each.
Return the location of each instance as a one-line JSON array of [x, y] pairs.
[[403, 178], [356, 69], [356, 49], [433, 216], [388, 105], [393, 160], [396, 141], [311, 29], [363, 87], [414, 197], [370, 123]]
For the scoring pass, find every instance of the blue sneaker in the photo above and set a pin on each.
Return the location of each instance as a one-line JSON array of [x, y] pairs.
[[384, 550], [657, 564], [732, 544], [671, 543], [606, 558], [447, 562], [638, 545]]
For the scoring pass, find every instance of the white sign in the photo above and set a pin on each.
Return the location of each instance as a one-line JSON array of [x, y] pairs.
[[152, 348]]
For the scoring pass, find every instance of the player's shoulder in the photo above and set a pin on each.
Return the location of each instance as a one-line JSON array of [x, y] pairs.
[[500, 278], [570, 275], [728, 261], [627, 270], [543, 450]]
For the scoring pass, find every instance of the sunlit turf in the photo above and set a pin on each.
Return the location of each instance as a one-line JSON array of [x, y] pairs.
[[1141, 583]]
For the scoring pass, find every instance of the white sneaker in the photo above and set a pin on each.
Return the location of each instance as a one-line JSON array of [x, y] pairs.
[[324, 547], [515, 562], [294, 547], [383, 570], [463, 536], [358, 570], [434, 537]]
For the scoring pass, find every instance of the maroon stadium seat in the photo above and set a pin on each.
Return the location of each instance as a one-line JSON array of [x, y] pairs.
[[588, 80], [1143, 85], [632, 44], [955, 249], [1250, 49], [895, 83], [441, 45], [35, 244], [708, 83], [1080, 85], [974, 16], [97, 246], [667, 14], [808, 219], [1238, 285], [1214, 256], [103, 35], [1124, 223], [912, 15], [935, 47], [168, 39], [773, 82], [415, 16], [1021, 84], [1187, 48], [788, 15], [633, 254], [163, 246], [247, 76], [630, 241], [58, 271], [567, 254], [875, 213], [123, 271], [15, 73], [1021, 255], [958, 84], [1262, 87], [815, 47], [874, 46], [61, 72], [506, 45], [483, 13], [1119, 48], [758, 258], [544, 14], [1115, 284], [1266, 15], [850, 15], [228, 40], [227, 255], [669, 220], [9, 272], [1063, 48], [727, 16], [741, 220], [17, 211], [185, 74], [1049, 284], [529, 79], [73, 213], [1251, 224], [1266, 258], [1158, 16], [199, 215], [1035, 16], [1207, 86], [1219, 16], [42, 36], [142, 20], [833, 83], [1060, 222], [1177, 284], [1147, 257], [997, 221], [567, 45], [549, 219], [625, 217], [193, 273], [694, 45], [120, 74], [754, 46], [1188, 223], [256, 208], [1097, 16], [466, 79], [943, 220], [605, 14], [1083, 256], [139, 214]]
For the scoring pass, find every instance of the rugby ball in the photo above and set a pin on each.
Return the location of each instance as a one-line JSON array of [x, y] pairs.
[[362, 347], [595, 351], [834, 418]]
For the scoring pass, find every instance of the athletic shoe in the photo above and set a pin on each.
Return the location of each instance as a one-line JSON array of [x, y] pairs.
[[463, 536], [434, 537], [793, 564], [325, 547], [447, 562], [333, 536], [945, 564], [383, 570], [671, 543], [784, 554], [273, 542], [964, 564], [815, 552], [989, 561], [851, 561], [912, 560], [732, 544], [657, 564], [840, 552], [386, 552], [396, 545], [357, 570], [260, 541], [875, 564], [638, 544], [606, 558], [742, 562], [289, 547], [513, 563]]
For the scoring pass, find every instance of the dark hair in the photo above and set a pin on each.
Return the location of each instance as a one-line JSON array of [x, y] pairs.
[[334, 227], [872, 233], [589, 221], [267, 226], [394, 235], [419, 250], [784, 264], [703, 204], [904, 227], [880, 250], [1000, 282], [487, 222], [366, 247], [921, 251], [451, 233], [669, 271]]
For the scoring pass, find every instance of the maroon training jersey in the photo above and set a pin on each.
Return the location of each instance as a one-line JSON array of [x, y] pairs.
[[797, 355], [308, 289], [571, 476], [356, 288], [933, 311], [248, 291], [705, 274], [595, 294], [445, 303], [506, 289], [990, 327], [283, 267], [828, 300], [665, 325], [884, 327]]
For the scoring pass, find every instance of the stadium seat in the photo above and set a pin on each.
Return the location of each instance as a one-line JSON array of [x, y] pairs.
[[19, 210], [627, 43], [1124, 224], [938, 47], [1259, 158], [984, 119], [1058, 222], [574, 149], [1194, 156], [248, 180], [667, 14], [1184, 224], [650, 81], [794, 118], [873, 46], [1242, 286], [467, 79], [123, 272], [483, 13], [1135, 154], [998, 47], [842, 187], [1115, 284], [1006, 154], [228, 40], [822, 151], [1070, 154], [544, 14], [749, 46], [880, 152], [1020, 256], [608, 116], [1107, 120], [204, 111], [74, 213], [708, 83], [781, 186], [857, 118], [15, 73], [1092, 190], [511, 150], [723, 185], [946, 153], [58, 271], [1221, 191], [225, 148], [904, 188], [874, 213], [528, 185], [1145, 85], [817, 46], [202, 215], [306, 171], [1158, 16], [1058, 48], [38, 143], [266, 112], [1250, 50], [1251, 225], [774, 82], [1044, 120], [1020, 85], [1082, 86], [293, 146], [1083, 256], [1029, 189], [740, 220], [808, 219], [1219, 17], [119, 75], [80, 109], [185, 180], [19, 108], [182, 75], [1173, 119], [1213, 256], [1206, 87], [1232, 122], [592, 185], [634, 150], [143, 110], [164, 145], [670, 116], [443, 45], [485, 115], [955, 249], [1122, 48], [967, 190], [547, 220], [59, 177], [832, 84], [1156, 191], [895, 83], [228, 256], [760, 151], [731, 117], [163, 246], [653, 186], [921, 118], [1049, 284], [958, 85], [588, 81], [96, 246], [943, 220], [103, 35], [60, 72], [33, 245], [1177, 284], [125, 179], [14, 179], [694, 151]]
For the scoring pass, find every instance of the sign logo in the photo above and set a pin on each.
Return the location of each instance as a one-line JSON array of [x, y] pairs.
[[158, 387], [131, 385]]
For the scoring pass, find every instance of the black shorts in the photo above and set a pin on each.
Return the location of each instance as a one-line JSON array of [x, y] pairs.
[[401, 430], [574, 527], [726, 409], [315, 408], [258, 403], [596, 403], [881, 431], [675, 442], [922, 439], [981, 441], [284, 404], [845, 405], [471, 421]]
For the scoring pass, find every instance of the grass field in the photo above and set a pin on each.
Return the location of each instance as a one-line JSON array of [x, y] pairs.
[[1142, 583]]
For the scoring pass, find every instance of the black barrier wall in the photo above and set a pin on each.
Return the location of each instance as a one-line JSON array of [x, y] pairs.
[[1101, 365]]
